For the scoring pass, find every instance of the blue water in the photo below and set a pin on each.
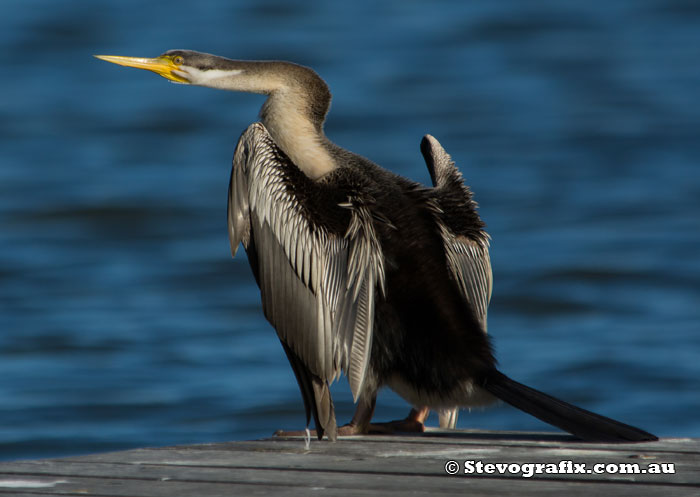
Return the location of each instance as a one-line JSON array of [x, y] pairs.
[[125, 323]]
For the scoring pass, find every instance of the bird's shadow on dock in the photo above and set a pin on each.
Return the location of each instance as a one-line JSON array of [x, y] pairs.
[[464, 435], [499, 436]]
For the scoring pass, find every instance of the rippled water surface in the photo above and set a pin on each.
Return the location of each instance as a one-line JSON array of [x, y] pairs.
[[125, 323]]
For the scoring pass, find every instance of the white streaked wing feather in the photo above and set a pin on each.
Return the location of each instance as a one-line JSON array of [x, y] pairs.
[[467, 258], [317, 288], [470, 264]]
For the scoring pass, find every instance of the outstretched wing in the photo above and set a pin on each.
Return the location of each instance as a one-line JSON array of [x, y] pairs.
[[315, 255], [466, 244]]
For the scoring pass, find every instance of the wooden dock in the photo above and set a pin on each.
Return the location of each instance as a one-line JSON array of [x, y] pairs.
[[372, 465]]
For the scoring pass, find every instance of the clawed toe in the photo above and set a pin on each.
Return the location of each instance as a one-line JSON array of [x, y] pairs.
[[399, 426], [350, 429], [412, 424]]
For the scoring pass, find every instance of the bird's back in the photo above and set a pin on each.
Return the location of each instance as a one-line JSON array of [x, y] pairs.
[[425, 331]]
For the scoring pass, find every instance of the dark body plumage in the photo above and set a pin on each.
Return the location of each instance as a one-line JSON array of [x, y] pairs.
[[422, 313], [427, 343]]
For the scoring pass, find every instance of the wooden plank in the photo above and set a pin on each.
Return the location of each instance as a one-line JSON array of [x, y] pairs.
[[344, 484], [413, 465]]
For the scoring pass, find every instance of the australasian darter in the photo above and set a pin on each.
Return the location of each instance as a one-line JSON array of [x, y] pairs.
[[362, 271]]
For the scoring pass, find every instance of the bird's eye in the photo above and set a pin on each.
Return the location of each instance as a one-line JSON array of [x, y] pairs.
[[178, 61]]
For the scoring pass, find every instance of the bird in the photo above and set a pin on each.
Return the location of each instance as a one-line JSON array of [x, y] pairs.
[[361, 271]]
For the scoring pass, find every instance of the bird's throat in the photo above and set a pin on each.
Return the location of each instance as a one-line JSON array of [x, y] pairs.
[[301, 140]]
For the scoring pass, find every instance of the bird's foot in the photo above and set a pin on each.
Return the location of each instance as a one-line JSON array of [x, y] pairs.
[[399, 426], [414, 423], [407, 425], [345, 430], [350, 429]]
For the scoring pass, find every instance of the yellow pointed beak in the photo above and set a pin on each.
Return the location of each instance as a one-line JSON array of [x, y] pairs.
[[163, 65]]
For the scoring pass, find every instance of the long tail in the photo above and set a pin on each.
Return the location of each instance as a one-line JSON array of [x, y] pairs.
[[584, 424]]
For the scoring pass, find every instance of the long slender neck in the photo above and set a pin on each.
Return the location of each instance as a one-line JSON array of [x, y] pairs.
[[294, 112]]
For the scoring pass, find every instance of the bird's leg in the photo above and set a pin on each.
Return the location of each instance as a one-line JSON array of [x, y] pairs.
[[360, 422], [448, 417], [359, 425], [414, 423]]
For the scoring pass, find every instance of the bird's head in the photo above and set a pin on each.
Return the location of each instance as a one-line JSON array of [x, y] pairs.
[[171, 65], [183, 66]]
